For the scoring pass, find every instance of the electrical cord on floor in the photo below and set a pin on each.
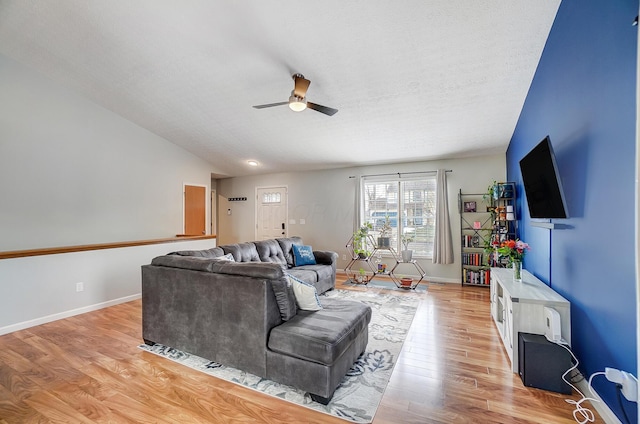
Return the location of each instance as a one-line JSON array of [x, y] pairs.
[[581, 414]]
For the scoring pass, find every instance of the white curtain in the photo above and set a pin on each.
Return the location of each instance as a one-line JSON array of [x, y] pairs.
[[358, 204], [442, 243]]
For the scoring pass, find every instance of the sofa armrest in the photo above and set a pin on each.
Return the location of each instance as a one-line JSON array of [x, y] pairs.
[[325, 257], [268, 270]]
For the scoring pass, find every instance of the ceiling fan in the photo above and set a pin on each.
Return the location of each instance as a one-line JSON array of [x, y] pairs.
[[297, 101]]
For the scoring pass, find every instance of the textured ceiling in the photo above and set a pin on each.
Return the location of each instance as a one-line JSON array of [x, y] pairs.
[[413, 80]]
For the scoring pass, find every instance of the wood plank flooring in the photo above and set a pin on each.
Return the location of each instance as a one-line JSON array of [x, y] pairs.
[[88, 369]]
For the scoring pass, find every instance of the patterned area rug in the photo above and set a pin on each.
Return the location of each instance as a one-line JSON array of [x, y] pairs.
[[358, 396], [389, 285]]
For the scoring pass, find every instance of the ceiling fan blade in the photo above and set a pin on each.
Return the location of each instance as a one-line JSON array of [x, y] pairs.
[[322, 109], [301, 85], [271, 105]]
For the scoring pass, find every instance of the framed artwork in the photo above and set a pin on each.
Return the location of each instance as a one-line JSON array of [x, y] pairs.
[[469, 206]]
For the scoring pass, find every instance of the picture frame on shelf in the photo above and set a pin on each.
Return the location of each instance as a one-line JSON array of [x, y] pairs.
[[469, 206]]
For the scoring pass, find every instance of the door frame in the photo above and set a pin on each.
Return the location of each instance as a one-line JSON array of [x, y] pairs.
[[207, 206], [286, 210]]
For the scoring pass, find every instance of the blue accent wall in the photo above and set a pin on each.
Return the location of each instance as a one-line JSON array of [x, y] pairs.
[[583, 96]]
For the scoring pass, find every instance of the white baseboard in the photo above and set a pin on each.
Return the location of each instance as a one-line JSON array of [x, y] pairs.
[[66, 314]]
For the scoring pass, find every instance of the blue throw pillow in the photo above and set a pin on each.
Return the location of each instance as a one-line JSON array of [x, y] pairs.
[[303, 255]]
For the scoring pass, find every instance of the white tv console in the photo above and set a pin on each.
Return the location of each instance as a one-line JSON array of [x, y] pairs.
[[519, 307]]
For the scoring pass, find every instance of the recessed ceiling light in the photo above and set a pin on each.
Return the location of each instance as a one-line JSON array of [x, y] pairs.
[[252, 163]]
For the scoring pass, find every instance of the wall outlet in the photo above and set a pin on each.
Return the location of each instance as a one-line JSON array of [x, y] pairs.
[[344, 257], [79, 287], [628, 382]]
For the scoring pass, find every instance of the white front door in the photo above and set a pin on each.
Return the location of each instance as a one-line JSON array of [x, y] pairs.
[[271, 212]]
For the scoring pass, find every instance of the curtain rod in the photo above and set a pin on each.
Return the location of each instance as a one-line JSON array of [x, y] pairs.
[[400, 174]]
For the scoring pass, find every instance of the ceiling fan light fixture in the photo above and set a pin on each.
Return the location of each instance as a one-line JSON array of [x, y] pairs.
[[297, 104]]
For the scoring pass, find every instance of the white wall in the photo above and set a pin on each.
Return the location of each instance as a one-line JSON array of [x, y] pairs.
[[39, 289], [325, 200], [72, 172]]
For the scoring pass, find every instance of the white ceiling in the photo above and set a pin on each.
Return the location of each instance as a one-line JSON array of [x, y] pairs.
[[412, 80]]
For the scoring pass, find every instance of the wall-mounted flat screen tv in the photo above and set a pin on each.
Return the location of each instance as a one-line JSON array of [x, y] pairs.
[[542, 185]]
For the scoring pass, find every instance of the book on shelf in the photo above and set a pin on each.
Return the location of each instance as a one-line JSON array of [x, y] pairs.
[[470, 240], [480, 277], [475, 259]]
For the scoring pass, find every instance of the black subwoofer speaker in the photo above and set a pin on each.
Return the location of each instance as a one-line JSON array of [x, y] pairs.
[[542, 363]]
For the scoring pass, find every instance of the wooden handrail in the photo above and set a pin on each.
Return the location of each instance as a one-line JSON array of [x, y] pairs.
[[86, 247]]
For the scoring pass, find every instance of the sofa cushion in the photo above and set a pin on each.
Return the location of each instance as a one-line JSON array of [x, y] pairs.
[[321, 272], [270, 251], [303, 255], [321, 336], [286, 244], [305, 294], [242, 252], [285, 297], [307, 275], [207, 253], [195, 263]]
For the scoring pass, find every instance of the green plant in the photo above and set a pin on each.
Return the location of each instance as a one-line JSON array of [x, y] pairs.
[[360, 239], [362, 272], [491, 192], [385, 229], [406, 239]]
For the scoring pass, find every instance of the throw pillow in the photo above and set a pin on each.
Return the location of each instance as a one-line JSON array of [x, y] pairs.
[[227, 257], [303, 255], [306, 295]]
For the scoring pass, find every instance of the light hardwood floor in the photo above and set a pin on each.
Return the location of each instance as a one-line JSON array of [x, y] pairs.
[[88, 369]]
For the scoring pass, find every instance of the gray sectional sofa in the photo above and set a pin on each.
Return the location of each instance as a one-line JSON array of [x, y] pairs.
[[243, 313]]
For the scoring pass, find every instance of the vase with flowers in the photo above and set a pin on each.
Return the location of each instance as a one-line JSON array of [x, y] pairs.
[[515, 251]]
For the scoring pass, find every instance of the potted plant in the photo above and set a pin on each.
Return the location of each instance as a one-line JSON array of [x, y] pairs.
[[406, 282], [407, 253], [491, 195], [362, 275], [385, 232], [360, 241]]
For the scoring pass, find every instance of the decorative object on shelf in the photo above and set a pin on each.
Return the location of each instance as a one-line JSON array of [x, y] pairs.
[[492, 193], [515, 251], [362, 275], [407, 254], [469, 206], [477, 225], [406, 282], [382, 268], [385, 230], [510, 214]]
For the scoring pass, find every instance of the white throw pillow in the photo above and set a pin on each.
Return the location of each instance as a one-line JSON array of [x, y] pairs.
[[228, 257], [305, 293]]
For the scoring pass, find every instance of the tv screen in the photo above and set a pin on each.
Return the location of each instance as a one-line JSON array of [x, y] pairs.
[[542, 182]]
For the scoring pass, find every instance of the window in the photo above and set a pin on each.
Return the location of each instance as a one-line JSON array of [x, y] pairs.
[[410, 205], [271, 197]]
